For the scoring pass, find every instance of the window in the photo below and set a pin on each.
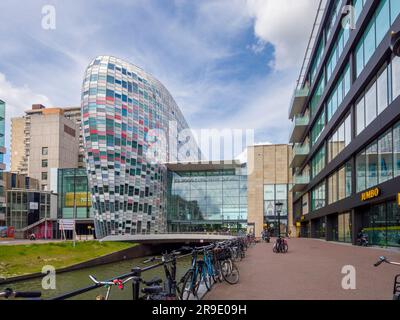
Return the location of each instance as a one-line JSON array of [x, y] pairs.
[[375, 32], [372, 165], [396, 77], [361, 169], [317, 96], [339, 93], [44, 164], [44, 175], [396, 150], [340, 139], [385, 150], [383, 92], [370, 104], [382, 20], [318, 162], [45, 151], [339, 184], [318, 128], [318, 197], [379, 162]]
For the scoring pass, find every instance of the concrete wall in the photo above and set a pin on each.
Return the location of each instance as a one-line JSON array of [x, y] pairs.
[[267, 164], [63, 148], [17, 142]]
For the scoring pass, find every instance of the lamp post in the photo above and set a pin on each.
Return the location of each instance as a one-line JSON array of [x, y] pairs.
[[278, 208]]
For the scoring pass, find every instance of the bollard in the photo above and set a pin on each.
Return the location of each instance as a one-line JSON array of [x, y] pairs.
[[137, 272]]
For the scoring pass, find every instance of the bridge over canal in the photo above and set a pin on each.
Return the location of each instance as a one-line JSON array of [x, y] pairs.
[[165, 238]]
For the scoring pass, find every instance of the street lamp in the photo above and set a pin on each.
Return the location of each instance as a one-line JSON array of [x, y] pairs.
[[278, 208]]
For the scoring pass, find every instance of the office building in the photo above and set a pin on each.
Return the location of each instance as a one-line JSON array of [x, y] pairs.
[[50, 140], [2, 164], [19, 181], [207, 197], [346, 126], [269, 183], [127, 113], [32, 211], [74, 198]]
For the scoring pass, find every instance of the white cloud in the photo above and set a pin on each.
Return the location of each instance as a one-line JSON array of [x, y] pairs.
[[17, 99], [286, 25]]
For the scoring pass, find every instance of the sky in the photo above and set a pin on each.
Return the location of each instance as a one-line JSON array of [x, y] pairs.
[[227, 63]]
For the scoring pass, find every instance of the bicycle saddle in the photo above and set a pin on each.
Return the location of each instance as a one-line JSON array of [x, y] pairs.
[[154, 281], [152, 290]]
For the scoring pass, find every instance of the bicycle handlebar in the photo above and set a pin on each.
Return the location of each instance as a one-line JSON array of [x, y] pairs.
[[384, 259], [7, 293]]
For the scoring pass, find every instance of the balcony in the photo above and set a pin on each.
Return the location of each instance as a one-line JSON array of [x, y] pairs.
[[300, 182], [298, 100], [300, 125], [300, 153]]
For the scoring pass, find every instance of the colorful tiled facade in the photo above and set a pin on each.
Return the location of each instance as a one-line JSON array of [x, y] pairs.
[[123, 108]]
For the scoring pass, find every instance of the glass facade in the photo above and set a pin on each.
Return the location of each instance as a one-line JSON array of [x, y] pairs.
[[382, 224], [318, 162], [25, 208], [273, 194], [339, 184], [340, 139], [128, 119], [318, 197], [379, 26], [380, 161], [74, 198], [211, 199]]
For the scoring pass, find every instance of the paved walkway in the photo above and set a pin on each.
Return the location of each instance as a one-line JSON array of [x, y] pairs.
[[310, 271]]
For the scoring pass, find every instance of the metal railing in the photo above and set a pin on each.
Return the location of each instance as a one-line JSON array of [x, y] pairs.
[[136, 272]]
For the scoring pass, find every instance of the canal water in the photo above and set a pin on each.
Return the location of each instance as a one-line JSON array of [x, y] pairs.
[[70, 281]]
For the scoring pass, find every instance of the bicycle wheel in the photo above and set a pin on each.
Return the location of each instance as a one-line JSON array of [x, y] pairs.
[[217, 272], [189, 287], [285, 248], [226, 267], [275, 248], [233, 276], [206, 278]]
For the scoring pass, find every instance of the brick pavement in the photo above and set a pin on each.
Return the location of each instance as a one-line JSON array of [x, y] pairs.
[[311, 270]]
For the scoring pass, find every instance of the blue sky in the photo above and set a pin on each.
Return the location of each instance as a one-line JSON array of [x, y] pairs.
[[228, 63]]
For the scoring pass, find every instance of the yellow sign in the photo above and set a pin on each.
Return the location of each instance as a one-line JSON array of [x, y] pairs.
[[398, 199], [298, 224], [302, 218], [82, 199], [370, 194]]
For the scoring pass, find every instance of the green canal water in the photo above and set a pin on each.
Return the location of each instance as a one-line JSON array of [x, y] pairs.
[[70, 281]]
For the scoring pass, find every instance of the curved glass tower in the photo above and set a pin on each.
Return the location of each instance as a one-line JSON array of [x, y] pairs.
[[131, 125]]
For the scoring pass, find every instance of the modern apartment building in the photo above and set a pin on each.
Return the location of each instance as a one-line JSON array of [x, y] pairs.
[[131, 126], [269, 183], [346, 126], [50, 139], [2, 164]]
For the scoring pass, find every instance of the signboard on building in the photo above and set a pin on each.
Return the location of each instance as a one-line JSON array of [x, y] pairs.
[[82, 199], [66, 224], [370, 194], [398, 199], [33, 206]]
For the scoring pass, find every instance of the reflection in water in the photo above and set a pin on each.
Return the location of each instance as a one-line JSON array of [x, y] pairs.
[[70, 281]]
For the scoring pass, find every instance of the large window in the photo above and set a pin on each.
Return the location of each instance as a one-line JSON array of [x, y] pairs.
[[373, 101], [380, 161], [340, 139], [318, 162], [318, 128], [317, 96], [384, 16], [339, 93], [339, 184], [318, 197]]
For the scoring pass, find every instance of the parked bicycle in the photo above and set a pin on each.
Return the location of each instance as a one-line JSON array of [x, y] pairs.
[[396, 286], [280, 245]]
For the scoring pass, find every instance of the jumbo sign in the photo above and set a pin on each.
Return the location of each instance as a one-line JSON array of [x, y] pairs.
[[370, 194]]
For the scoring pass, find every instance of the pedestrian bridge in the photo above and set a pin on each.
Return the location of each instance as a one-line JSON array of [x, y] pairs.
[[169, 238]]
